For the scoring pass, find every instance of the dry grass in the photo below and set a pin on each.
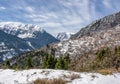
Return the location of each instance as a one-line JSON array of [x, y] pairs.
[[106, 71], [50, 81], [57, 81], [74, 76]]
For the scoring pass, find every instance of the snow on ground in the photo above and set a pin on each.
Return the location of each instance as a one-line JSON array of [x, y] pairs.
[[8, 76]]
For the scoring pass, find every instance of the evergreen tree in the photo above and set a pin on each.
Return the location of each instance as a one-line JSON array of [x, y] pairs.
[[50, 62], [28, 63], [60, 63], [119, 50], [101, 54], [16, 66], [65, 64], [116, 50], [66, 61], [7, 63], [44, 64], [55, 61]]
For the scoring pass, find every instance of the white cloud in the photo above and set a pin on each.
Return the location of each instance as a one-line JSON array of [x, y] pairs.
[[72, 14], [32, 16], [29, 9], [38, 17], [72, 21], [107, 3], [78, 7], [2, 8], [51, 24]]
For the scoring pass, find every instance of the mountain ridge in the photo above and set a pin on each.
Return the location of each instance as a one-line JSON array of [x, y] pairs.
[[11, 45], [32, 35], [104, 23], [20, 30], [62, 36]]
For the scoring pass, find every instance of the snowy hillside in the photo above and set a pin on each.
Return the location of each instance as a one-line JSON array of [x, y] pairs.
[[8, 76], [104, 38], [62, 36], [11, 45], [104, 32]]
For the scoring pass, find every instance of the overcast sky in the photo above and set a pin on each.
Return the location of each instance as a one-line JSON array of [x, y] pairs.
[[57, 15]]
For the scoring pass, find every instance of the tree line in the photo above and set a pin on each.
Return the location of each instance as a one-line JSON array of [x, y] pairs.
[[48, 61]]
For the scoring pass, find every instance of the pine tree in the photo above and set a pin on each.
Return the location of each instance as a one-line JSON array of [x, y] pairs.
[[28, 63], [7, 63], [101, 54], [50, 62], [66, 62], [44, 64], [60, 63], [16, 66]]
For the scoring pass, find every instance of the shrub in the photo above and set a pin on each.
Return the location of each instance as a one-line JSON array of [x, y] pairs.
[[74, 76], [50, 81], [105, 71]]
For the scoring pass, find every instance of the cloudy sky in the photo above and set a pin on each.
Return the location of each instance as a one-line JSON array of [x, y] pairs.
[[57, 15]]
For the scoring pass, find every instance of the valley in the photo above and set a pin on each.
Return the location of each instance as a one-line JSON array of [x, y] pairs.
[[29, 54]]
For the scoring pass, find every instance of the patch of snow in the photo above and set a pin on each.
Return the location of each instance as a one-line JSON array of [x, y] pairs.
[[26, 35], [62, 36], [30, 45], [8, 76], [8, 55], [24, 50]]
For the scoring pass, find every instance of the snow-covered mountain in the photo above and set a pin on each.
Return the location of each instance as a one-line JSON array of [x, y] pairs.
[[20, 30], [104, 32], [62, 36], [11, 45], [18, 37]]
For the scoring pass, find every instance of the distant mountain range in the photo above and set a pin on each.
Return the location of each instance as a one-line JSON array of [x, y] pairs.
[[16, 38], [83, 46]]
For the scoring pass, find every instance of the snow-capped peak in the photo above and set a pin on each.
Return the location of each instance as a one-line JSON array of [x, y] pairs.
[[62, 36], [19, 29]]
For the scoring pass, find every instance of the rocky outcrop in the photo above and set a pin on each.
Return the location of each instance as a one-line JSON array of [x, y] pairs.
[[105, 23]]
